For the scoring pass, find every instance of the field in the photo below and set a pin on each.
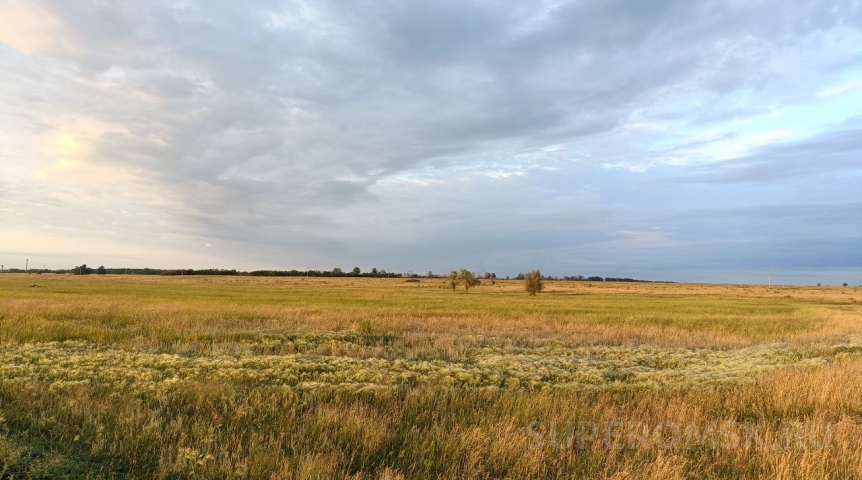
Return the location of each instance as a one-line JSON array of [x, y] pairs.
[[241, 377]]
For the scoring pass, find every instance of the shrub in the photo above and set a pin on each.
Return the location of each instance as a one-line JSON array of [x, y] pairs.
[[533, 282]]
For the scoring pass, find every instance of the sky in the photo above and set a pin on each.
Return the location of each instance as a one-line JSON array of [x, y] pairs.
[[709, 141]]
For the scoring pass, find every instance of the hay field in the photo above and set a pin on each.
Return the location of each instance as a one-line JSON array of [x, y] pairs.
[[241, 377]]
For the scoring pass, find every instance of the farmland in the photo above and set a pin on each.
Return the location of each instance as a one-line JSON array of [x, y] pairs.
[[241, 377]]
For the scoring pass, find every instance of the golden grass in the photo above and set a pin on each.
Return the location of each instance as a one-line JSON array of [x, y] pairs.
[[153, 377]]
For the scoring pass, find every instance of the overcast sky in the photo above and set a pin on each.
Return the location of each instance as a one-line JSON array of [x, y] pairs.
[[667, 139]]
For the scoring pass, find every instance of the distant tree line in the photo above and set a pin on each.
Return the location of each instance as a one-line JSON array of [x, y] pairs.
[[85, 270], [207, 271], [335, 272], [34, 270], [581, 278]]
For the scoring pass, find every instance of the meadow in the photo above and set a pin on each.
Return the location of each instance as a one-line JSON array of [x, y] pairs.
[[292, 378]]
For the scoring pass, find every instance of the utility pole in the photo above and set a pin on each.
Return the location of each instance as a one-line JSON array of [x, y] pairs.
[[769, 278]]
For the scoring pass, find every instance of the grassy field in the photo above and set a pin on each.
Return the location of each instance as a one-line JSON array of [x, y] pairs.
[[241, 377]]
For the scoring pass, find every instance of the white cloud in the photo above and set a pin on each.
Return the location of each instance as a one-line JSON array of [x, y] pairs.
[[840, 90]]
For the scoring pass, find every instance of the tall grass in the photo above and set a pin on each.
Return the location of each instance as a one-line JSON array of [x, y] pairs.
[[125, 377]]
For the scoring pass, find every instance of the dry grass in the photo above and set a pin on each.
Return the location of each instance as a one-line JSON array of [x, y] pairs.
[[143, 377]]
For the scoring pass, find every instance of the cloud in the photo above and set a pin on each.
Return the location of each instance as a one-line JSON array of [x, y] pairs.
[[372, 131], [830, 155], [833, 91]]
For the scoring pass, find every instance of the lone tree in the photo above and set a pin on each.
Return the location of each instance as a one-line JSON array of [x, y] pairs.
[[464, 277], [467, 279], [533, 282]]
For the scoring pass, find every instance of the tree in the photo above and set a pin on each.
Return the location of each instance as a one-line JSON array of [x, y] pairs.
[[82, 270], [467, 279], [337, 272], [101, 270], [374, 271], [356, 271], [452, 280], [845, 284], [533, 282]]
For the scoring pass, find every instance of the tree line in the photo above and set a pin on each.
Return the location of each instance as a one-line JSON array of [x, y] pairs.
[[335, 272]]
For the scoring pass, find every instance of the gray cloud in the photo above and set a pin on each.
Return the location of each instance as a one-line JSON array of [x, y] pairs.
[[373, 131]]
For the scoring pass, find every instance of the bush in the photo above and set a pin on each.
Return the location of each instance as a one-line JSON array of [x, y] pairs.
[[533, 282]]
